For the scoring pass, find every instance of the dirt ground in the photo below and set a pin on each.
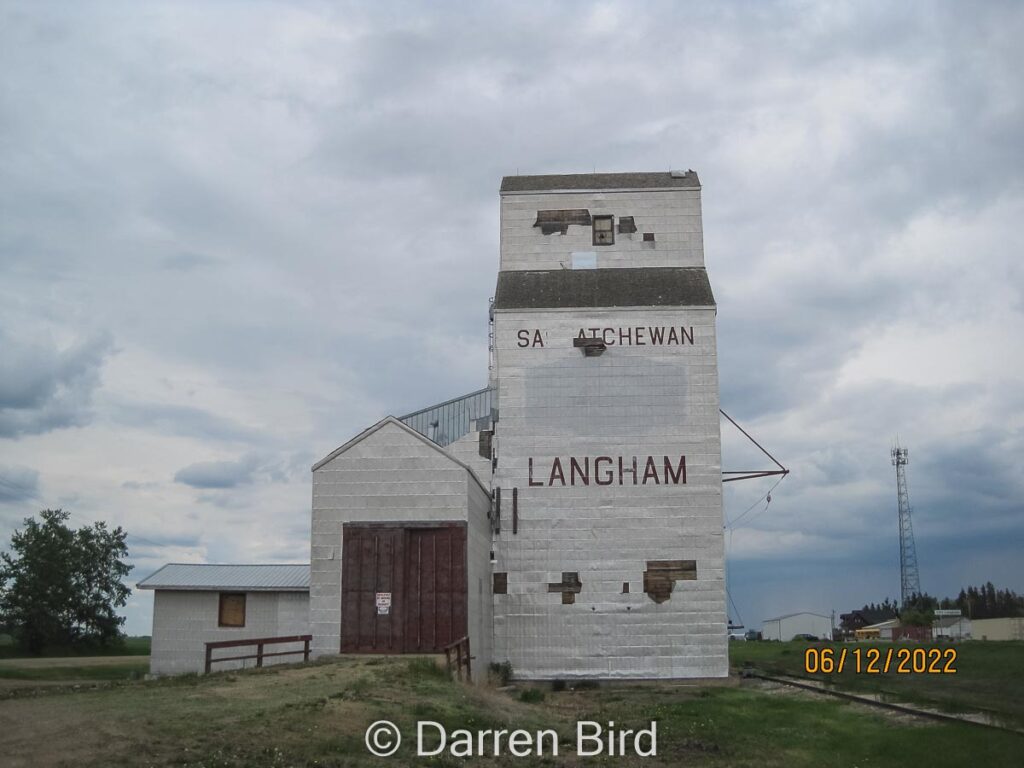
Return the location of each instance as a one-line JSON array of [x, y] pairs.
[[52, 730]]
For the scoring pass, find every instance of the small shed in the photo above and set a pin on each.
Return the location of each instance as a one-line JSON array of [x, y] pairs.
[[792, 624], [195, 604], [951, 627]]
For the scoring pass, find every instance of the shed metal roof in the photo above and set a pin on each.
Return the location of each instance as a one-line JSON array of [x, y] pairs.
[[799, 613], [883, 624], [587, 181], [255, 578]]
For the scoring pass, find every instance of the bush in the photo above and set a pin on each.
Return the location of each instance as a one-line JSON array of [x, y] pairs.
[[501, 673], [532, 696]]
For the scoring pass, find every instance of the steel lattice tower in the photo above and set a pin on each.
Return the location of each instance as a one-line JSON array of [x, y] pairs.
[[910, 583]]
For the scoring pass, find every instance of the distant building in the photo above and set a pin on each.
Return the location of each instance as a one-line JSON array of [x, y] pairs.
[[998, 629], [789, 626], [911, 632], [883, 630], [952, 627], [859, 619]]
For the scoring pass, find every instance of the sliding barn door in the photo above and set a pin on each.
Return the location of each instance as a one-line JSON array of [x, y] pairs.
[[403, 588], [435, 588]]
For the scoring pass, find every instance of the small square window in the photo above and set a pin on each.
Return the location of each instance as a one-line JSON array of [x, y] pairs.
[[604, 230], [231, 612]]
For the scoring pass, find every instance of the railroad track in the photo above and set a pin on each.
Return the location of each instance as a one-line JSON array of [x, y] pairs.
[[978, 719]]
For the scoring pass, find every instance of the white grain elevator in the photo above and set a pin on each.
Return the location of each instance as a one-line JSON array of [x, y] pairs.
[[608, 556]]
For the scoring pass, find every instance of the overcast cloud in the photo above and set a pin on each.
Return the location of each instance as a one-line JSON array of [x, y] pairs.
[[233, 235]]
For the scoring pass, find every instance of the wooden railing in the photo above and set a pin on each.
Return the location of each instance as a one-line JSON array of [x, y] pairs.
[[459, 650], [259, 642]]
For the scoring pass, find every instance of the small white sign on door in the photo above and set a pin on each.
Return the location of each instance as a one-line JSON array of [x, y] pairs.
[[383, 603]]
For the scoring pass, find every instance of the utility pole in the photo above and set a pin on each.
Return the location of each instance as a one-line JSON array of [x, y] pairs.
[[910, 583]]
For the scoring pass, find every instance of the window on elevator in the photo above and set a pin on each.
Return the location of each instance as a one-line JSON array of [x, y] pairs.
[[604, 230]]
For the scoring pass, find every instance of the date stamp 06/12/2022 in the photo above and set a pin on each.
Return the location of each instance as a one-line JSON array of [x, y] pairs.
[[880, 661]]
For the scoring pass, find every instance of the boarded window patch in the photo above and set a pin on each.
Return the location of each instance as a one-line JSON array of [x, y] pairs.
[[231, 611], [559, 221], [569, 586], [661, 576]]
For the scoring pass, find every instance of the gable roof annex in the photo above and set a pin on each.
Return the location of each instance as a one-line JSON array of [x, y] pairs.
[[408, 430]]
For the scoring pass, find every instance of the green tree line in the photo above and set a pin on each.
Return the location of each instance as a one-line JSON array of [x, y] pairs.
[[984, 602]]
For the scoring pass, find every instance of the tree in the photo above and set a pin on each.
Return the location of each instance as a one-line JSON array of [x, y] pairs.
[[61, 587]]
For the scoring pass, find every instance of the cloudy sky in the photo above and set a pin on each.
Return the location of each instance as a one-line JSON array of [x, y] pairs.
[[232, 235]]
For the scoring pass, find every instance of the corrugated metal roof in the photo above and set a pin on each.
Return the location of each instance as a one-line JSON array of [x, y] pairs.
[[256, 578], [799, 613], [446, 422], [883, 624], [570, 181]]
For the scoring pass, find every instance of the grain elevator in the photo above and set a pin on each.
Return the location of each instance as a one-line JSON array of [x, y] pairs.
[[607, 484]]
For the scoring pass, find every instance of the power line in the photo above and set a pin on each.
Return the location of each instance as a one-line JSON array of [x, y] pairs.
[[767, 498]]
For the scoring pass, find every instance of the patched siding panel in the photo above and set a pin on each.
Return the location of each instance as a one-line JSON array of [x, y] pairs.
[[672, 215]]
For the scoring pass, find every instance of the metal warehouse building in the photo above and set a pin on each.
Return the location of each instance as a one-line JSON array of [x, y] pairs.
[[566, 518], [792, 624]]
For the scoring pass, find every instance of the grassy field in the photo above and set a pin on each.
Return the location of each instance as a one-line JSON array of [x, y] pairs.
[[132, 646], [989, 677], [316, 715], [74, 670]]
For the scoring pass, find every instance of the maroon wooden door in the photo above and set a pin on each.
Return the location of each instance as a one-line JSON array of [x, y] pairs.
[[435, 588], [372, 564], [403, 588]]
